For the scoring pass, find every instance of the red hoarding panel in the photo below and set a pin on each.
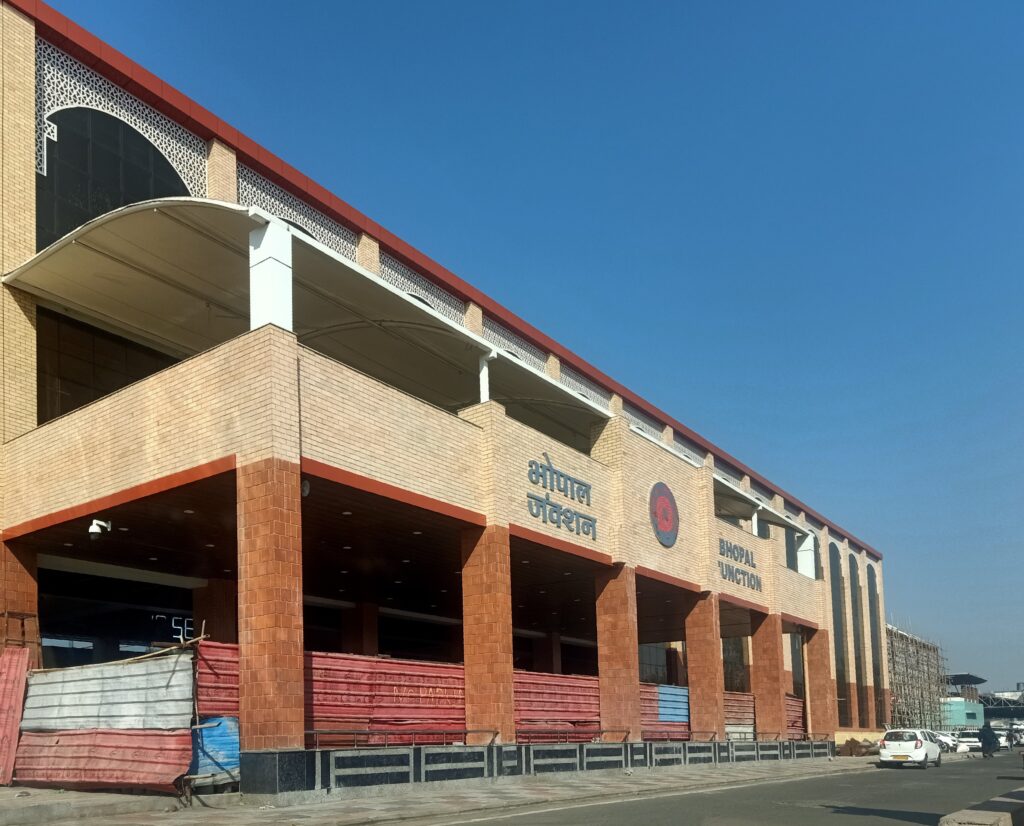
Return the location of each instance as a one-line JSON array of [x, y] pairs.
[[556, 707], [217, 679], [347, 691], [739, 708], [103, 758], [796, 722], [655, 728], [13, 670]]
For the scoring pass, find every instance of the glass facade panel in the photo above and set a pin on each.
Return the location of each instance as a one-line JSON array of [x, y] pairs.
[[835, 565], [858, 641], [78, 363], [97, 164]]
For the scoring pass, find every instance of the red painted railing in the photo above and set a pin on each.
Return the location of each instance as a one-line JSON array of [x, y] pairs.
[[796, 721]]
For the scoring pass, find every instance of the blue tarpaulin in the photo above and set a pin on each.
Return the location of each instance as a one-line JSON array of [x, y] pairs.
[[215, 751]]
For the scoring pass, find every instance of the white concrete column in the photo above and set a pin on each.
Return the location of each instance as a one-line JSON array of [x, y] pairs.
[[485, 377], [270, 276]]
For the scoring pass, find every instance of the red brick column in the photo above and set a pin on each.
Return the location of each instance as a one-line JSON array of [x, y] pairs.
[[217, 606], [618, 653], [360, 629], [270, 680], [487, 632], [885, 708], [869, 712], [854, 696], [822, 713], [704, 666], [767, 674], [20, 598]]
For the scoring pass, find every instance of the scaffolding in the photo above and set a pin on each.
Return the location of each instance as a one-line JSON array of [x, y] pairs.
[[917, 680]]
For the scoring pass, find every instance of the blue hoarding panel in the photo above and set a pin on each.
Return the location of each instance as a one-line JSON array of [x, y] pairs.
[[215, 750], [673, 704]]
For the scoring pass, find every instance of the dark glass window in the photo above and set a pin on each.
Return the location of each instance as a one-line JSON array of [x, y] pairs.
[[78, 363], [858, 641], [98, 163], [835, 570]]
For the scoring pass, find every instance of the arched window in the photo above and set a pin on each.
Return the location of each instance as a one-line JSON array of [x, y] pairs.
[[857, 614], [835, 569], [875, 619], [98, 163]]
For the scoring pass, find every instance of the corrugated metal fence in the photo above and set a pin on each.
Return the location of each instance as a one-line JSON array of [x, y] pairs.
[[556, 707], [115, 725], [665, 712], [146, 694], [13, 670], [796, 720], [740, 719]]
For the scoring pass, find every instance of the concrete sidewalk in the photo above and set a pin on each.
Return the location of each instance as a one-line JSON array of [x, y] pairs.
[[448, 800], [398, 803]]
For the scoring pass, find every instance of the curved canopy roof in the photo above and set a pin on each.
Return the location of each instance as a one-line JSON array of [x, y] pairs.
[[174, 273]]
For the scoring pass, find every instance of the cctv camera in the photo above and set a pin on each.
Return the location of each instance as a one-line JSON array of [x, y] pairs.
[[97, 527]]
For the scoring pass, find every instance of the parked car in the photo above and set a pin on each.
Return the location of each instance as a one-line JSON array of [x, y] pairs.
[[916, 746], [971, 738], [1004, 737], [947, 741]]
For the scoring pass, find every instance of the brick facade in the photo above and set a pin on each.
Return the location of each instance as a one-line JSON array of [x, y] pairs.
[[705, 668], [271, 679], [821, 686], [19, 600], [618, 653], [767, 673], [241, 399], [487, 632]]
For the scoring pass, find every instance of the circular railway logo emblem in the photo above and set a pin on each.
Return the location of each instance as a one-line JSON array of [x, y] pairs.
[[664, 515]]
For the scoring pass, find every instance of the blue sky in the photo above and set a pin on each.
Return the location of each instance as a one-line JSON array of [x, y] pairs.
[[795, 226]]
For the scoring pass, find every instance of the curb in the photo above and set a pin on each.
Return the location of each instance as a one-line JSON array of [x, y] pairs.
[[603, 796], [1004, 810], [53, 811]]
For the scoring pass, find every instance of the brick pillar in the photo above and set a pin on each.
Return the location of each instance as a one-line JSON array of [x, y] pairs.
[[870, 715], [360, 629], [20, 599], [487, 632], [704, 666], [618, 653], [851, 689], [767, 673], [547, 653], [271, 679], [820, 685], [217, 606]]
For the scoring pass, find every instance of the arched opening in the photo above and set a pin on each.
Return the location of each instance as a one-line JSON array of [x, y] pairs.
[[97, 164], [835, 565], [858, 641]]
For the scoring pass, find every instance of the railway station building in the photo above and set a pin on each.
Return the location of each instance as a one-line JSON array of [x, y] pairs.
[[234, 405]]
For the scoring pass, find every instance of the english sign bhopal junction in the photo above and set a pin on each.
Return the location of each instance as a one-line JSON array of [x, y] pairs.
[[398, 515]]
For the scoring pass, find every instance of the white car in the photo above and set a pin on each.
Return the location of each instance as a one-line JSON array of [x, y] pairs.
[[908, 745], [946, 740], [971, 738]]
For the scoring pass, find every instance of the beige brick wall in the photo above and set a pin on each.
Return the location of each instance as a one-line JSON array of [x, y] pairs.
[[17, 139], [17, 217], [368, 253], [642, 463], [764, 558], [357, 423], [796, 594], [239, 398], [509, 446], [221, 172]]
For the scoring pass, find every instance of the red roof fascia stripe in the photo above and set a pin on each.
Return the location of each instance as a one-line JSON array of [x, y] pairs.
[[89, 49]]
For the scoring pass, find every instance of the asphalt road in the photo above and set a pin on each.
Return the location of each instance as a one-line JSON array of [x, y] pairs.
[[881, 797]]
